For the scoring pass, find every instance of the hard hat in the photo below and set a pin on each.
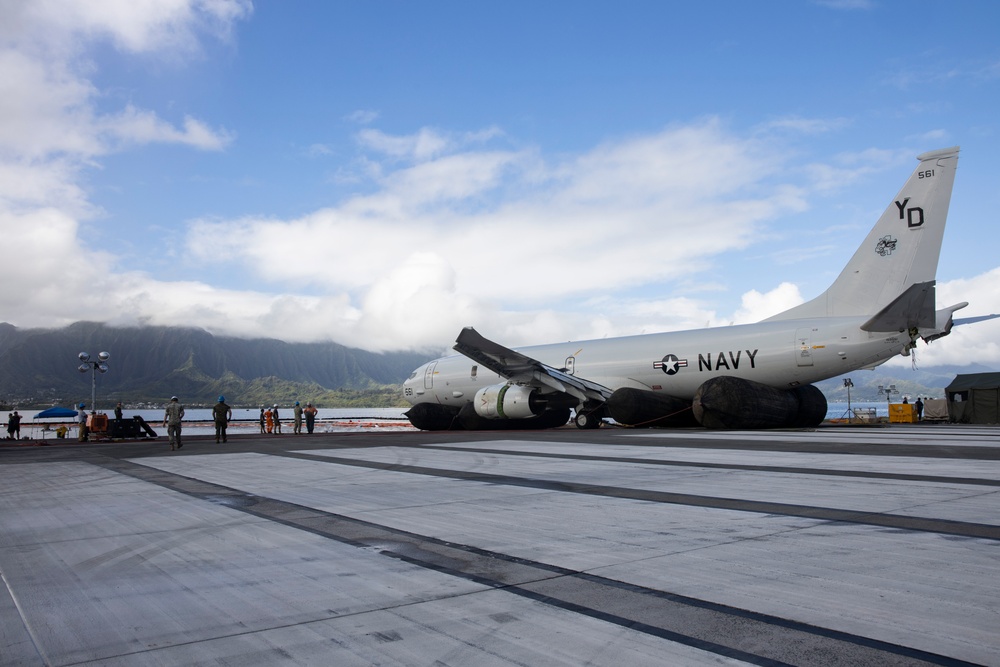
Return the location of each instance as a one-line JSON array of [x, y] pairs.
[[173, 398], [222, 399], [82, 405], [296, 402], [275, 405]]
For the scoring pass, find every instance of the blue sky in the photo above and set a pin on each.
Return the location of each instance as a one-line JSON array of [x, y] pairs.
[[381, 174]]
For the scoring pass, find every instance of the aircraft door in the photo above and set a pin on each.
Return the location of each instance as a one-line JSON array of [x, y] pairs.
[[429, 375], [803, 347]]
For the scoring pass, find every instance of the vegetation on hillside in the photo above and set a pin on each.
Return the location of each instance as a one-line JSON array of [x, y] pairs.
[[150, 364]]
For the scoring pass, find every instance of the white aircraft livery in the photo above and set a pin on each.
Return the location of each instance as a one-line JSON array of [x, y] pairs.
[[735, 377]]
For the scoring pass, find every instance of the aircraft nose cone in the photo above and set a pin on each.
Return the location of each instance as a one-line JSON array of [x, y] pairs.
[[410, 383]]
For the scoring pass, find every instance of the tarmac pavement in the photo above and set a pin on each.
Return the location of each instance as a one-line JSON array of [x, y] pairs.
[[832, 546]]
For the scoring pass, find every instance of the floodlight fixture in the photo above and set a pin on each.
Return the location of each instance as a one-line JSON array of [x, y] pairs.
[[95, 367]]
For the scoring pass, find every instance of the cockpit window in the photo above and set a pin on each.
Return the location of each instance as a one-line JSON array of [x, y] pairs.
[[412, 375]]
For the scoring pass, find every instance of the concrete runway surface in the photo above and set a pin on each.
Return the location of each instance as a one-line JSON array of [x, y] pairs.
[[834, 546]]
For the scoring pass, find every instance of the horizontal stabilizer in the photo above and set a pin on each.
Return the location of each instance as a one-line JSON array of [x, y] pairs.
[[912, 309], [973, 320], [944, 322]]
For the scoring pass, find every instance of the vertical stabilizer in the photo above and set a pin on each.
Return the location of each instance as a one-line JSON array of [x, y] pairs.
[[900, 251]]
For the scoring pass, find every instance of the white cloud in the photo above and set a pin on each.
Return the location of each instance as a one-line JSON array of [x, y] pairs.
[[939, 137], [756, 306], [134, 26], [319, 150], [44, 109], [848, 168], [51, 130], [801, 125], [971, 343], [29, 184], [454, 229], [424, 145], [57, 269], [449, 178], [512, 230], [136, 126], [421, 146], [362, 116], [494, 238], [50, 127]]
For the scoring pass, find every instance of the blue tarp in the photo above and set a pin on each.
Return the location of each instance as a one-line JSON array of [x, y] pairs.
[[56, 412]]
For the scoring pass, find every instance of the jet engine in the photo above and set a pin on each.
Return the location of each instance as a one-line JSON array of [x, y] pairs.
[[507, 401], [733, 403], [469, 420], [649, 409]]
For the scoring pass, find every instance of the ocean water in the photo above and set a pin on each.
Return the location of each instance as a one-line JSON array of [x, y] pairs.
[[328, 420], [840, 410], [245, 420]]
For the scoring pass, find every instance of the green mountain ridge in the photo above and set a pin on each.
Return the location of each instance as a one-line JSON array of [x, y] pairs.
[[149, 364], [927, 383]]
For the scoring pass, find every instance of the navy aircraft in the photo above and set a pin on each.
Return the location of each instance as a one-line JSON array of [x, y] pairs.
[[735, 377]]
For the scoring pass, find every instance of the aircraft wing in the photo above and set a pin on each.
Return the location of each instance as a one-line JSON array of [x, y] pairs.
[[517, 367]]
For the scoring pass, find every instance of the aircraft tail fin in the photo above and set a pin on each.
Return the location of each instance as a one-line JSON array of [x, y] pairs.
[[891, 276]]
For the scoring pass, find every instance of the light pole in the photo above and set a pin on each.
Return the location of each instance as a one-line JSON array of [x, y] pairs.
[[849, 384], [95, 366]]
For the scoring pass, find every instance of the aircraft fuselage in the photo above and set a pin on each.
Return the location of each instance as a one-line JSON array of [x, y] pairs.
[[781, 354]]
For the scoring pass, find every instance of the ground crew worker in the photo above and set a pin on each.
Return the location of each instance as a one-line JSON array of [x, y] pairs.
[[172, 420], [310, 412], [221, 413], [81, 434]]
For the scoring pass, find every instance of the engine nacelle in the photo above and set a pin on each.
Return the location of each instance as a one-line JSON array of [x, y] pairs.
[[507, 401]]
